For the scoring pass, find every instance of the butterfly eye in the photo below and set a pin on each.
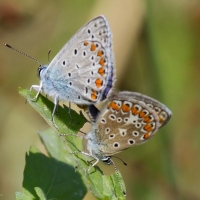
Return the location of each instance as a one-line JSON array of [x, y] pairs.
[[41, 69]]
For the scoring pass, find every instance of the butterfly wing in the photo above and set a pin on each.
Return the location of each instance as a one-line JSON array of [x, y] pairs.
[[163, 112], [84, 66], [129, 119]]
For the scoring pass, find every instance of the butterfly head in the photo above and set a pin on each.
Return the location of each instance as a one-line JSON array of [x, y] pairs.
[[41, 69]]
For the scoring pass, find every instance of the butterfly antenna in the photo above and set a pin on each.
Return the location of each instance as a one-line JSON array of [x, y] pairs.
[[7, 45], [120, 160], [120, 182]]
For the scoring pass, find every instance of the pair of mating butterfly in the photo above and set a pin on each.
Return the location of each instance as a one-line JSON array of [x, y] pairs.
[[83, 73]]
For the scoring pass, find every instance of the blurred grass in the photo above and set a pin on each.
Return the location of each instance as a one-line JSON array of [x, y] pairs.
[[156, 45]]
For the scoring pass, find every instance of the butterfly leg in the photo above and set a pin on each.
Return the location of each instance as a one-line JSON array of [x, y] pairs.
[[57, 113], [38, 88], [91, 156], [56, 101], [97, 160], [94, 157]]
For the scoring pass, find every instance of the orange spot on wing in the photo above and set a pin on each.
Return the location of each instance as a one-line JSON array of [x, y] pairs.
[[134, 111], [148, 127], [99, 83], [146, 136], [115, 106], [100, 53], [101, 71], [147, 119], [93, 47], [142, 114], [94, 94], [86, 43], [101, 62], [126, 108]]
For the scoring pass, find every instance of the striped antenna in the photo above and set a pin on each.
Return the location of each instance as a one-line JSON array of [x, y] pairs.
[[7, 45]]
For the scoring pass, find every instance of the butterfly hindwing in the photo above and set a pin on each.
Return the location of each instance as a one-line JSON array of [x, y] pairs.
[[129, 119]]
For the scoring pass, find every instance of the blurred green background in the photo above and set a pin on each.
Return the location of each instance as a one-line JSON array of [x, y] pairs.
[[157, 51]]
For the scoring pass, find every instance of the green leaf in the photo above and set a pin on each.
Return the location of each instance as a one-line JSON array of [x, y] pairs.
[[57, 179], [46, 172], [22, 196], [40, 193], [45, 107]]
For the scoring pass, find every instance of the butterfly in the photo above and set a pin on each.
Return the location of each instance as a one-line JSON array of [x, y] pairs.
[[83, 71], [127, 119]]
